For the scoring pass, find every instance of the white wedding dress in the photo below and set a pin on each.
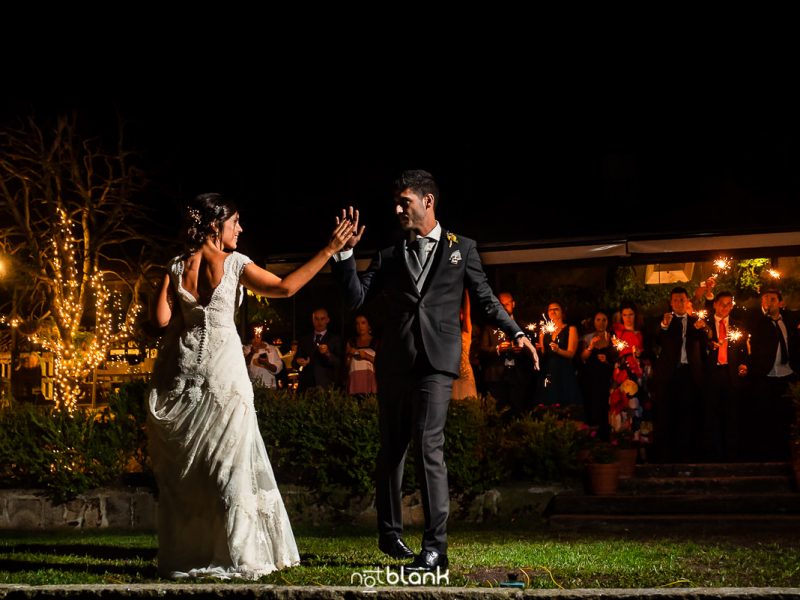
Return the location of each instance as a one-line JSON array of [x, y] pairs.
[[219, 510]]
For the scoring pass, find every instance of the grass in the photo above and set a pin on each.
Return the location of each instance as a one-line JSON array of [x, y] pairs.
[[480, 557]]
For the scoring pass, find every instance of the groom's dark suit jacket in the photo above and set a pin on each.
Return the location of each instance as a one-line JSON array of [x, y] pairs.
[[428, 318]]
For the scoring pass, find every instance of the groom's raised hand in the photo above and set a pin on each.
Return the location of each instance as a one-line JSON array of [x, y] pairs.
[[350, 214]]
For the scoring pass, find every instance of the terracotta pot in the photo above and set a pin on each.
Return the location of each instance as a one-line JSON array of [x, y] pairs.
[[603, 478], [626, 457]]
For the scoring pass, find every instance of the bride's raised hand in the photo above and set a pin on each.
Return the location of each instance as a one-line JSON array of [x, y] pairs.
[[342, 233], [351, 215]]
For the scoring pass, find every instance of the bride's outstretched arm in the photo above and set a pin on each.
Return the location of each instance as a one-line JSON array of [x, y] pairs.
[[164, 304], [264, 283]]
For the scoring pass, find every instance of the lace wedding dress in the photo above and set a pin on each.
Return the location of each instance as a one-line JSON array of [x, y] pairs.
[[219, 510]]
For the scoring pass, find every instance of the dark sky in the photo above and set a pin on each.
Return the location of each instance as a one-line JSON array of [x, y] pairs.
[[511, 166]]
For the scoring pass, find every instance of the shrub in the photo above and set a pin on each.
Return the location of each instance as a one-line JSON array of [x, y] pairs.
[[67, 454], [320, 439], [541, 446]]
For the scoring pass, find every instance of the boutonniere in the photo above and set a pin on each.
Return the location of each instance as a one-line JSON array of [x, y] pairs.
[[455, 257], [451, 238]]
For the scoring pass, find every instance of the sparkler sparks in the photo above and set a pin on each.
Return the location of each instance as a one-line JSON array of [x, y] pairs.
[[722, 264], [734, 334], [619, 344]]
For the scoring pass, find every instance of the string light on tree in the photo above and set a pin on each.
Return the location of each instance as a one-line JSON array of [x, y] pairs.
[[78, 352]]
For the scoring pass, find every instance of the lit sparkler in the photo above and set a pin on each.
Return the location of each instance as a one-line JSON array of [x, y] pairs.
[[619, 344], [723, 264], [774, 273], [548, 327], [734, 335], [701, 314]]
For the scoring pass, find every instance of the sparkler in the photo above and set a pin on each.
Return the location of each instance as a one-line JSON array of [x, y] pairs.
[[701, 314], [734, 334], [619, 344], [547, 325], [774, 273], [723, 265]]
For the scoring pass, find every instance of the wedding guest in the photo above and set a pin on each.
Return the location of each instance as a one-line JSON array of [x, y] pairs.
[[360, 358], [725, 370], [508, 372], [630, 404], [678, 380], [597, 364], [464, 386], [318, 354], [262, 358], [774, 364], [558, 342]]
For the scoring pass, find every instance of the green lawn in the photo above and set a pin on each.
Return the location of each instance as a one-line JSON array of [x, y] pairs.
[[480, 556]]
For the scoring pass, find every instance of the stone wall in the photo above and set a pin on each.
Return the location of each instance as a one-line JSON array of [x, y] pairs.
[[136, 508], [133, 508]]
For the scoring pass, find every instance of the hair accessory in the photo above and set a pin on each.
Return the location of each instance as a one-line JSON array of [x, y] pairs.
[[194, 215]]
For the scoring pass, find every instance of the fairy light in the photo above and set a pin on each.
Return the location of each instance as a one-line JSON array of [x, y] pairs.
[[77, 353]]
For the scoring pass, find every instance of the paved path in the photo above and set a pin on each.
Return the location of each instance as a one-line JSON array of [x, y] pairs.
[[269, 592]]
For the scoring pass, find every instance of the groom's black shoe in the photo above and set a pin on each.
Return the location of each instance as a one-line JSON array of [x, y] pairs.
[[396, 548], [429, 560]]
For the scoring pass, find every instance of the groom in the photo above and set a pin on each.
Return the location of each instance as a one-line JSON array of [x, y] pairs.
[[423, 277]]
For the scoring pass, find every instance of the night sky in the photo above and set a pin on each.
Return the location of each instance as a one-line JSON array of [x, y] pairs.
[[511, 167]]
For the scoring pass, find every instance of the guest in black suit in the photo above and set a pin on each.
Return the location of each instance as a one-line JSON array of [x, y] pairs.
[[678, 378], [773, 365], [318, 354], [508, 370], [423, 278], [726, 367]]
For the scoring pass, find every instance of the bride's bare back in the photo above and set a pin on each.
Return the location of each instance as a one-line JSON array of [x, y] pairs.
[[202, 274]]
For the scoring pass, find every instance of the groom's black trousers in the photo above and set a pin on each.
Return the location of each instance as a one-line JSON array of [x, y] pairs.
[[414, 407]]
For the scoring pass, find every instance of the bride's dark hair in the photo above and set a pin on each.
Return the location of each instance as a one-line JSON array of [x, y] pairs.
[[204, 217]]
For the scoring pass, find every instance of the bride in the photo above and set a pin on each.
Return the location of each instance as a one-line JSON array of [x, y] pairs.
[[219, 510]]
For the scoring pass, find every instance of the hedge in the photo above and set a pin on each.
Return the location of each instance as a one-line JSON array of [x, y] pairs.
[[320, 439]]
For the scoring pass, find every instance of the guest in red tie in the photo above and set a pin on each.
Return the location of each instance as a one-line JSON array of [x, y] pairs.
[[725, 371]]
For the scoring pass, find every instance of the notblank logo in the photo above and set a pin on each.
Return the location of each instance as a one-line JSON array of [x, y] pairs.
[[375, 577]]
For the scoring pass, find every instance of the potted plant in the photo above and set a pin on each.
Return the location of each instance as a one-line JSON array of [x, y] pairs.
[[627, 452], [584, 440], [603, 469]]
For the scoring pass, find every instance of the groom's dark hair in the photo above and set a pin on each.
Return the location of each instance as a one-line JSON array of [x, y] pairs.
[[418, 181]]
